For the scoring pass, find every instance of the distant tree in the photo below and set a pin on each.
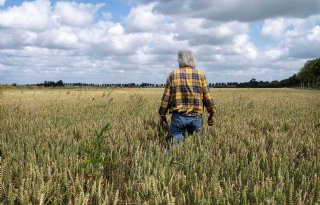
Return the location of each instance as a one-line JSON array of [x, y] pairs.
[[309, 75], [275, 84], [253, 83], [292, 81], [49, 84], [60, 83]]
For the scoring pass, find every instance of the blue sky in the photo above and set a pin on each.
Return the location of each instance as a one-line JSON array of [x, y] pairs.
[[123, 41]]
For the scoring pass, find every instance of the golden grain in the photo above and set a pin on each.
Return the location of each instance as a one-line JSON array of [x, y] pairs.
[[264, 149]]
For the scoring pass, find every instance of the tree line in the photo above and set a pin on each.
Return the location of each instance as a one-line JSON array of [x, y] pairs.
[[307, 77]]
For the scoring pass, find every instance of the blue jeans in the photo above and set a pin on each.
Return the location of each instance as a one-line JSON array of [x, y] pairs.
[[181, 123]]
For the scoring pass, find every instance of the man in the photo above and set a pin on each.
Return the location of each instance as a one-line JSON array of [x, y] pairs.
[[185, 95]]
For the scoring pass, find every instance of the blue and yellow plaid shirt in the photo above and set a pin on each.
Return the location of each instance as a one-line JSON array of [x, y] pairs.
[[186, 92]]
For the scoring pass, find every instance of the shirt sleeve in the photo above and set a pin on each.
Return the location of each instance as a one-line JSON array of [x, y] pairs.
[[207, 100], [165, 98]]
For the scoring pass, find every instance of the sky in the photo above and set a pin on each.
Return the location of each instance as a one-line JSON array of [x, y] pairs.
[[126, 41]]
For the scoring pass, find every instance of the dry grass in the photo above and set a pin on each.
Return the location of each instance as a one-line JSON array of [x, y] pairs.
[[264, 149]]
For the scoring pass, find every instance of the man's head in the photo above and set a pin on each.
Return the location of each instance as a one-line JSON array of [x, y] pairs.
[[186, 58]]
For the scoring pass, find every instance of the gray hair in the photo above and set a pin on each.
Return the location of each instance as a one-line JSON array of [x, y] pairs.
[[186, 58]]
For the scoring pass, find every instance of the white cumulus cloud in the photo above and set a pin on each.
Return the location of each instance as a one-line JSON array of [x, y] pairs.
[[315, 34], [30, 15], [74, 14], [143, 19], [274, 28]]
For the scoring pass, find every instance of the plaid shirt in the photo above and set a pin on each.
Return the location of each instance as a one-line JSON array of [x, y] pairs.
[[186, 92]]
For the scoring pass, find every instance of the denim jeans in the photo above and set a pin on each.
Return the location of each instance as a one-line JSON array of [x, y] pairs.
[[180, 124]]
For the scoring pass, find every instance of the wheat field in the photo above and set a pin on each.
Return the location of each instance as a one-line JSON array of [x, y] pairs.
[[105, 146]]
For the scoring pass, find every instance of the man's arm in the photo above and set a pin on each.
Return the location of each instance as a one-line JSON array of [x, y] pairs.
[[165, 102], [208, 102]]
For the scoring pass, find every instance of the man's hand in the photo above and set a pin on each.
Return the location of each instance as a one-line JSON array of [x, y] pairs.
[[211, 120], [163, 120]]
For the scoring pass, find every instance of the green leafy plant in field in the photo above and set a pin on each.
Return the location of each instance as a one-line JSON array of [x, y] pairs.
[[95, 154]]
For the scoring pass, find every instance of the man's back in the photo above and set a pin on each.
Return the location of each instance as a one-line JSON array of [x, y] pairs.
[[186, 92]]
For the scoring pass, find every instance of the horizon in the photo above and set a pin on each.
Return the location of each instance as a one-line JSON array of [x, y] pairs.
[[136, 83], [136, 41]]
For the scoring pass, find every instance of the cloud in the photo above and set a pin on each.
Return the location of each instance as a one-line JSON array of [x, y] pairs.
[[298, 37], [209, 32], [30, 15], [274, 28], [275, 54], [16, 39], [303, 48], [59, 38], [314, 35], [74, 14], [239, 10], [79, 42], [143, 19]]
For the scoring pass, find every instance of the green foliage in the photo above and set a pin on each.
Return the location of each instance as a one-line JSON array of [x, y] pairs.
[[95, 154], [59, 83], [310, 71]]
